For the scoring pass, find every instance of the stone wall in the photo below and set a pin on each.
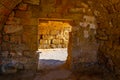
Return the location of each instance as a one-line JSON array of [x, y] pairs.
[[21, 30], [19, 40], [108, 33], [82, 38], [53, 34]]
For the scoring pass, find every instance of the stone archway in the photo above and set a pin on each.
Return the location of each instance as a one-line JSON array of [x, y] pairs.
[[26, 22], [106, 14]]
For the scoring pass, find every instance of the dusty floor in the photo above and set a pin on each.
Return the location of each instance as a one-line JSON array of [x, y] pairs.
[[52, 67], [60, 73]]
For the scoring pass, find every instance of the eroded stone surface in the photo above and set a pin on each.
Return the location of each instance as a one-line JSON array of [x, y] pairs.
[[53, 34], [82, 37]]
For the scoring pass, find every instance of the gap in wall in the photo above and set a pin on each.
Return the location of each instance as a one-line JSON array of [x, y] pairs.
[[53, 39]]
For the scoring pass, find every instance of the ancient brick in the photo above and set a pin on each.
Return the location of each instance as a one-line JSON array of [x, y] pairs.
[[6, 38], [13, 21], [15, 39], [77, 10], [90, 19], [44, 32], [36, 11], [50, 37], [27, 54], [5, 54], [12, 14], [12, 28], [9, 4], [114, 1], [5, 46], [29, 21], [23, 14], [10, 22], [2, 21], [34, 2], [56, 41], [117, 7], [4, 10], [60, 46], [52, 46], [54, 32], [22, 6], [43, 42]]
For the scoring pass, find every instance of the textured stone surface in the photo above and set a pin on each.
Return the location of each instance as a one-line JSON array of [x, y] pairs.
[[22, 6], [83, 37], [3, 10], [53, 34], [12, 28], [35, 2]]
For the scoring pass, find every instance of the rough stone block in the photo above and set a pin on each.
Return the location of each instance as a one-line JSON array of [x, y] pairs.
[[43, 41], [84, 5], [52, 46], [23, 6], [23, 14], [6, 38], [7, 3], [10, 4], [50, 37], [12, 28], [29, 21], [5, 46], [117, 7], [5, 54], [34, 2], [44, 46], [15, 39], [27, 54], [10, 22], [77, 10], [64, 46], [36, 11], [49, 41], [65, 41], [54, 32], [13, 20], [43, 32], [114, 1], [56, 41], [31, 29], [4, 10], [59, 46], [90, 19], [17, 20], [59, 36], [29, 37], [12, 14]]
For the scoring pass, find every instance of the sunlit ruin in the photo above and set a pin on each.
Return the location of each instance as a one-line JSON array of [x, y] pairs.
[[59, 39]]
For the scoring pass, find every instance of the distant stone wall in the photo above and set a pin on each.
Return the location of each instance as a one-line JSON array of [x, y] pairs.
[[53, 34]]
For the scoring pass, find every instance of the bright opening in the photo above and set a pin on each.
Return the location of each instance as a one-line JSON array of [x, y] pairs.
[[53, 39]]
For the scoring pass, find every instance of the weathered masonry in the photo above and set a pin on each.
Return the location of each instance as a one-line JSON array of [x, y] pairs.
[[93, 39]]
